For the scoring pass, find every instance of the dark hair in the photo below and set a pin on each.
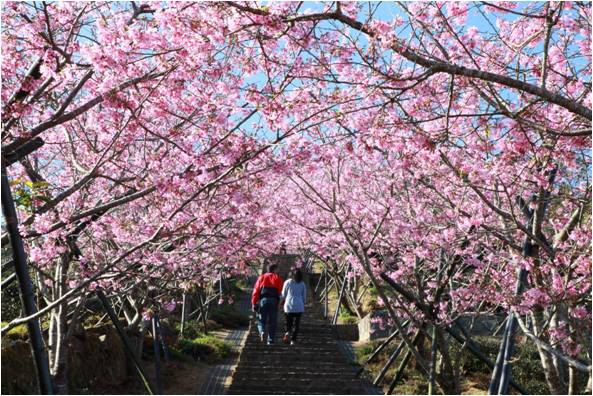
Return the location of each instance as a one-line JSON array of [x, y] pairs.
[[272, 267], [297, 275]]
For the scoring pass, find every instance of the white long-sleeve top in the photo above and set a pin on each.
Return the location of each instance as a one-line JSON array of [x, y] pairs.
[[295, 294]]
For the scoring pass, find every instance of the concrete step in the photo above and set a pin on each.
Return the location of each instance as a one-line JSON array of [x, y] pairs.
[[272, 377], [292, 352], [253, 368], [281, 361], [304, 337], [302, 341], [290, 389], [295, 360], [281, 347], [299, 382], [351, 391], [316, 365]]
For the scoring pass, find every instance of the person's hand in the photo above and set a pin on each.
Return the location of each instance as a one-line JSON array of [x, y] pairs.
[[254, 308]]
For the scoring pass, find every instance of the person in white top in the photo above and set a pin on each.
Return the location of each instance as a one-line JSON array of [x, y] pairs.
[[294, 295]]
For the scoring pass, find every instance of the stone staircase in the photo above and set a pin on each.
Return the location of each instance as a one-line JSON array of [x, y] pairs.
[[316, 365]]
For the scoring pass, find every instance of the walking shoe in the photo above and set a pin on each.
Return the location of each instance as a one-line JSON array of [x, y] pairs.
[[286, 338], [261, 337], [270, 342], [293, 342]]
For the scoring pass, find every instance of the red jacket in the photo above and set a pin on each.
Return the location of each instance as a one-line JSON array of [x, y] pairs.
[[269, 279]]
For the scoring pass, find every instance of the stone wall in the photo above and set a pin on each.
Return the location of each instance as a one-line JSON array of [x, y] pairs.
[[96, 357]]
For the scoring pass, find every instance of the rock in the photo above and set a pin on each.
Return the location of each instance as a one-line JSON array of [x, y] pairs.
[[97, 358], [369, 327], [485, 325], [18, 371]]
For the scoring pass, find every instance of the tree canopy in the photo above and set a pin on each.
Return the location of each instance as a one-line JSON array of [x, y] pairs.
[[445, 146]]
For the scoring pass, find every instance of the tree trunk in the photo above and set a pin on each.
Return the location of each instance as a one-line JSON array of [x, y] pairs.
[[448, 381], [59, 343], [554, 383]]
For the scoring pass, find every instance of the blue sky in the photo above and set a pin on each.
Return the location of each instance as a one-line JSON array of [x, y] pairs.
[[389, 10]]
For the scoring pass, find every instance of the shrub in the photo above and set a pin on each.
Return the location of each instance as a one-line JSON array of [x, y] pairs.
[[346, 317], [221, 348], [204, 347], [526, 368], [226, 316], [350, 320], [194, 328], [191, 330], [194, 349]]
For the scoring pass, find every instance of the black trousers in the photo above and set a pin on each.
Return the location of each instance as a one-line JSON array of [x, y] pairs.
[[293, 323]]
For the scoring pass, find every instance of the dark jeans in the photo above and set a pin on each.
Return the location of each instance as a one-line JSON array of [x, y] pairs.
[[293, 323], [268, 315]]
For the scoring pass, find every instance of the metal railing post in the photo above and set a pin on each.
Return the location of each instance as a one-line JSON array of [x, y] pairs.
[[325, 303], [26, 287]]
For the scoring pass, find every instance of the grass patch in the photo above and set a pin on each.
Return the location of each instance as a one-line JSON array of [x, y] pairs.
[[205, 348], [19, 332], [178, 355], [364, 351]]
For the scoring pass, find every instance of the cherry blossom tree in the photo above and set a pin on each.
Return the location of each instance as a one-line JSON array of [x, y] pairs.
[[441, 151]]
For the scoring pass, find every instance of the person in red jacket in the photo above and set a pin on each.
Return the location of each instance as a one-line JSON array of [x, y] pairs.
[[265, 300]]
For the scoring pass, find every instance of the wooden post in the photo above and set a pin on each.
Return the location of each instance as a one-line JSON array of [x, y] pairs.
[[157, 355], [140, 345], [499, 383], [335, 319], [435, 309], [385, 343], [125, 340], [159, 328], [9, 279], [318, 283], [327, 287], [392, 359], [474, 349], [403, 364], [433, 361], [325, 304], [184, 310], [26, 287], [203, 311]]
